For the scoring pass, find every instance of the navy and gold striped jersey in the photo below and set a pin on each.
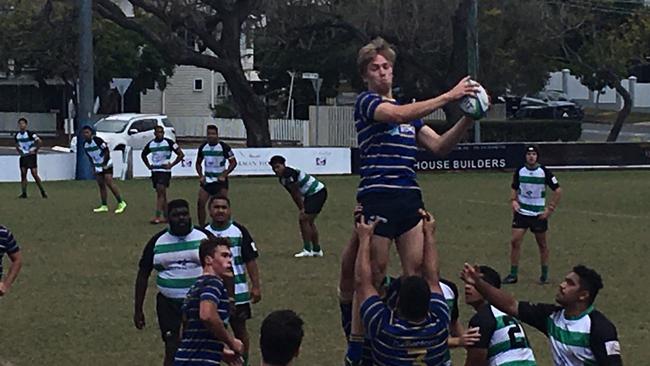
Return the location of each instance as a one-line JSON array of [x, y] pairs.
[[387, 150], [198, 345], [398, 342]]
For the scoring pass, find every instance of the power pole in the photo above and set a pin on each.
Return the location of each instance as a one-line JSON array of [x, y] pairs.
[[472, 54], [86, 84]]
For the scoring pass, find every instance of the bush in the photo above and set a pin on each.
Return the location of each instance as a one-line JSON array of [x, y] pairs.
[[521, 130]]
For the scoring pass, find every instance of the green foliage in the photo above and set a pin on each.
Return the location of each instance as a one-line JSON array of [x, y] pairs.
[[522, 130]]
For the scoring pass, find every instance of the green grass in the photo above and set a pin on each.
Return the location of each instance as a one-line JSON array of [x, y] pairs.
[[72, 304]]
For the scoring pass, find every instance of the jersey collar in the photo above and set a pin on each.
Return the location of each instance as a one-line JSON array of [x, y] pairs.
[[225, 227], [581, 315]]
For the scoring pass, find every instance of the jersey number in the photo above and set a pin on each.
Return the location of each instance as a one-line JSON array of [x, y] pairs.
[[516, 334]]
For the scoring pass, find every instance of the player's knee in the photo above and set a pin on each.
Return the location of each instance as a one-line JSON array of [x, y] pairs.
[[515, 243]]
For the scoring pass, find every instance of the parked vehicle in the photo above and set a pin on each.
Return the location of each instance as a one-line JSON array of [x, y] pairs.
[[549, 104], [130, 129]]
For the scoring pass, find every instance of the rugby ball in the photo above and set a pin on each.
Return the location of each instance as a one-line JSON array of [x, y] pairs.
[[475, 107]]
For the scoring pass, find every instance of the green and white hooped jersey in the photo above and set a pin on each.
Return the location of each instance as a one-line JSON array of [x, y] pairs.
[[214, 159], [530, 185], [503, 337], [587, 339], [95, 149], [26, 141], [176, 259], [307, 184], [160, 152], [243, 250]]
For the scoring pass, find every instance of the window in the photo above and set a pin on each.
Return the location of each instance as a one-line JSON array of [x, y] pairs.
[[167, 123], [137, 125], [198, 84], [222, 90], [150, 124]]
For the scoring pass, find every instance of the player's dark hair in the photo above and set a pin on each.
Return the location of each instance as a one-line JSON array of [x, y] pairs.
[[377, 46], [490, 275], [590, 280], [208, 246], [277, 159], [212, 127], [414, 296], [23, 119], [176, 204], [218, 197], [280, 337], [88, 127], [159, 127]]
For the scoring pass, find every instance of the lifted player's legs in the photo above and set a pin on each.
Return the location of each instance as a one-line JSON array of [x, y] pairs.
[[410, 246], [379, 255], [543, 256], [515, 252]]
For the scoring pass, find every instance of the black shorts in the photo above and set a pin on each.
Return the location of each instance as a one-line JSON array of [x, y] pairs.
[[28, 161], [214, 187], [160, 178], [105, 171], [314, 203], [241, 312], [534, 223], [170, 317], [398, 211]]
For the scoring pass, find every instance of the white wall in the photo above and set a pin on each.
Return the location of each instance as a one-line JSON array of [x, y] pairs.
[[50, 167]]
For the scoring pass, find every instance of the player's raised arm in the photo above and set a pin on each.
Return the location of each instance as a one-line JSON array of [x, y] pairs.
[[430, 254], [496, 297], [393, 113], [363, 287]]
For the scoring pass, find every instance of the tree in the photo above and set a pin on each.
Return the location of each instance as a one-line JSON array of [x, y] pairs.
[[600, 44], [430, 37], [42, 36], [205, 34]]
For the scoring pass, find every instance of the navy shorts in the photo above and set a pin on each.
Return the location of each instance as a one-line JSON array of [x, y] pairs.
[[314, 203], [398, 211], [160, 178], [28, 161], [170, 317], [214, 187]]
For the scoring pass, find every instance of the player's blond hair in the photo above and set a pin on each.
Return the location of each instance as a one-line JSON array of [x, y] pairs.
[[377, 46]]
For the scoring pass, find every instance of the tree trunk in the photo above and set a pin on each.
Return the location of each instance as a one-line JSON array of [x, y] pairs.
[[250, 106], [623, 113]]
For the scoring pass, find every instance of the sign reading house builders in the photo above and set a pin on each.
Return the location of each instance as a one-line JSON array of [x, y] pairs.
[[474, 157]]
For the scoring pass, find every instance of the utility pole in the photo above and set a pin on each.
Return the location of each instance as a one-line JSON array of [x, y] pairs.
[[86, 84], [472, 54]]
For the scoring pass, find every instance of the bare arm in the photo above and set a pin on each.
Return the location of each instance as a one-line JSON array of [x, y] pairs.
[[16, 264], [496, 297], [199, 167], [363, 288], [254, 274], [232, 164], [37, 144], [144, 156], [555, 199], [442, 145], [141, 283], [430, 256], [391, 113], [476, 357], [297, 197], [514, 200], [179, 157]]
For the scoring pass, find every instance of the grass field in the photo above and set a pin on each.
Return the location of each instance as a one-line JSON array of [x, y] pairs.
[[72, 304]]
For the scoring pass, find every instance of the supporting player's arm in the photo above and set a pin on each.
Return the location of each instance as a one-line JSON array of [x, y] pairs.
[[363, 287], [496, 297], [16, 264], [209, 315], [442, 145], [391, 113], [430, 255]]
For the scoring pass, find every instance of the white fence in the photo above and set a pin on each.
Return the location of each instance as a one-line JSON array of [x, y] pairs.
[[281, 129], [569, 84]]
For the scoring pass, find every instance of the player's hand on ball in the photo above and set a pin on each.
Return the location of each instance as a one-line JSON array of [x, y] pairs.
[[138, 319], [463, 88], [470, 336]]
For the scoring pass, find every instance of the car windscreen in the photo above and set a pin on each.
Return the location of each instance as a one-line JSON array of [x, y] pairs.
[[167, 123], [110, 125]]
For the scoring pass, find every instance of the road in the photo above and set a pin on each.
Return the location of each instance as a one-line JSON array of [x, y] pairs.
[[595, 132]]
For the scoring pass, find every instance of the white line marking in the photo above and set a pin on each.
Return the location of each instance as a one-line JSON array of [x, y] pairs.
[[606, 214]]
